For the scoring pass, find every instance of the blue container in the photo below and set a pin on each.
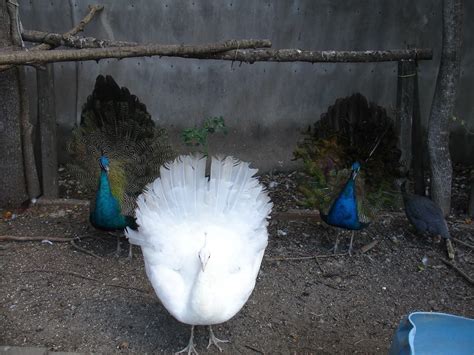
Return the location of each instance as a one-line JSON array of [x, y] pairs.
[[433, 333]]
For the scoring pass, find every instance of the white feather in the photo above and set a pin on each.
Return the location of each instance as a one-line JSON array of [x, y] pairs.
[[182, 212]]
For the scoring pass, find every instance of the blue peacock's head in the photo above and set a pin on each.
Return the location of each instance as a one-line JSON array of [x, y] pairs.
[[104, 163], [355, 169]]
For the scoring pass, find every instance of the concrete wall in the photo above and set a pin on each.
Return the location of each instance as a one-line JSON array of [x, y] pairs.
[[265, 105]]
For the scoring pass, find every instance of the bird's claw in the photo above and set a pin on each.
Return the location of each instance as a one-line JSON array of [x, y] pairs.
[[190, 349], [213, 340]]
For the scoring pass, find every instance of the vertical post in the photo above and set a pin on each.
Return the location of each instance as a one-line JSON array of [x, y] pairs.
[[418, 143], [470, 209], [47, 127], [405, 105]]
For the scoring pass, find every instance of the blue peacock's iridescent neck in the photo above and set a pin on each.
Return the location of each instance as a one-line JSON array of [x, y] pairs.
[[106, 212], [343, 212]]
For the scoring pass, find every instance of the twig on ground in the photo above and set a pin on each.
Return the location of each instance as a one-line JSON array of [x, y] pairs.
[[367, 247], [75, 274], [82, 250], [460, 272], [33, 239], [296, 258], [463, 243], [61, 202], [254, 349]]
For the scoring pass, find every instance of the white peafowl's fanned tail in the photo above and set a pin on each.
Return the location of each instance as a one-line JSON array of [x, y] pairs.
[[183, 193], [184, 215]]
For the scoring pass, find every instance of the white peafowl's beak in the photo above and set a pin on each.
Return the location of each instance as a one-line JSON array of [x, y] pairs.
[[203, 264], [204, 256]]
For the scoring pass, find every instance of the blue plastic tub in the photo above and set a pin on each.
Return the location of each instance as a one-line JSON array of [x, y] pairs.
[[434, 333]]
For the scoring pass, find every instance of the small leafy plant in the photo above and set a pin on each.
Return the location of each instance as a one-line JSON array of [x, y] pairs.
[[198, 136]]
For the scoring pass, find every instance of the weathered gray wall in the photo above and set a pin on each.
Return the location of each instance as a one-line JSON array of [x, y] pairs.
[[266, 105]]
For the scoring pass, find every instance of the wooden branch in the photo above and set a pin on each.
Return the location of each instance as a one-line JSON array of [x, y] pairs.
[[459, 271], [15, 238], [168, 50], [47, 131], [242, 54], [61, 202], [299, 258], [26, 128], [297, 215], [93, 10], [75, 274], [57, 40], [296, 55], [82, 250]]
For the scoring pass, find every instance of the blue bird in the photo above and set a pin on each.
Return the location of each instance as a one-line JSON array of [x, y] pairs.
[[117, 130], [106, 212], [343, 212]]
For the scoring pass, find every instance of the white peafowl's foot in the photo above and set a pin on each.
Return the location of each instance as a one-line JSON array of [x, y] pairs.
[[213, 340], [190, 349]]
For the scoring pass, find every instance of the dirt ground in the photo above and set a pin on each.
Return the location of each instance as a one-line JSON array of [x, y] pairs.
[[55, 296]]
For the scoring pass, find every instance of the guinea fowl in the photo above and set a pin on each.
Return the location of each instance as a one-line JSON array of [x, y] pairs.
[[426, 216], [343, 212], [117, 131], [203, 239]]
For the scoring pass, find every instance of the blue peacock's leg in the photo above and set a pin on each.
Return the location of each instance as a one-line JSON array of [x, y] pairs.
[[350, 244], [213, 340], [190, 349], [130, 251], [118, 246], [336, 244]]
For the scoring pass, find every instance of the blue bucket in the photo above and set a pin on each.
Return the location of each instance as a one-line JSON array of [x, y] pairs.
[[433, 333]]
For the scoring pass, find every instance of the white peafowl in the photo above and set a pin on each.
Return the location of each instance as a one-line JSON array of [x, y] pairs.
[[203, 239]]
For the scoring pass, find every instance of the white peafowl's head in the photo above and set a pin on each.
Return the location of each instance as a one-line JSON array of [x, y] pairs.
[[204, 254]]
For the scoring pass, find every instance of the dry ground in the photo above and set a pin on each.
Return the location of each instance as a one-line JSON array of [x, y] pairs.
[[55, 296]]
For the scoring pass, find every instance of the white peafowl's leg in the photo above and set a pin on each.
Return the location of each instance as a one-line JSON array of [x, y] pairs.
[[350, 244], [213, 340], [190, 349]]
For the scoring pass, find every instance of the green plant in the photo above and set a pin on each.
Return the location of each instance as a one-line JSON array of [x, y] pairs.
[[198, 136]]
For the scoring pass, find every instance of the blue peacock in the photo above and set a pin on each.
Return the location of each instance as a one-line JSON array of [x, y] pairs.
[[343, 212], [116, 151], [106, 211]]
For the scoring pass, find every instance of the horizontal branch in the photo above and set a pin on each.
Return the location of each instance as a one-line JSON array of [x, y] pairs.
[[241, 54], [57, 39], [296, 55], [170, 50], [93, 10]]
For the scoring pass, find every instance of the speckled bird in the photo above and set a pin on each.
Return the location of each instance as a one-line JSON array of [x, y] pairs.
[[426, 216]]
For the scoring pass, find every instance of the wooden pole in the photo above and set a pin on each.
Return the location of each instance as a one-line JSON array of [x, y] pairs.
[[442, 107], [418, 141], [470, 209], [47, 130], [405, 105]]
